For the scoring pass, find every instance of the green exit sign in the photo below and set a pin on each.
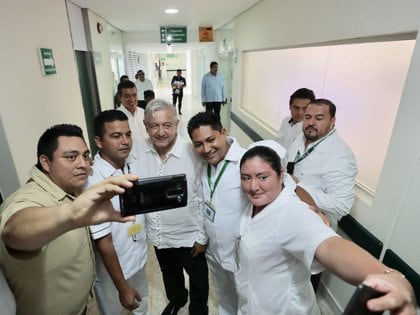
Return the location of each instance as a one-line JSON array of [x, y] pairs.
[[46, 58], [173, 34]]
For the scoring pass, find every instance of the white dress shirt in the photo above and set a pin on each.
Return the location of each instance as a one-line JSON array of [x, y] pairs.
[[276, 256], [327, 173], [228, 201], [137, 127], [132, 255], [143, 86], [288, 132], [180, 227]]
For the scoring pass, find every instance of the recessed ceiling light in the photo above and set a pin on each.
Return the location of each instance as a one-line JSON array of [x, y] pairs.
[[171, 11]]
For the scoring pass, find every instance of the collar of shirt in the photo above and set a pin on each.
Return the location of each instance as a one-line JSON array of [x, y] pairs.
[[106, 169], [175, 151], [45, 182], [127, 112], [319, 148], [235, 152]]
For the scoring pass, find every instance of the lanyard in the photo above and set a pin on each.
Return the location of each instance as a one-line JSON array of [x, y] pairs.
[[299, 158], [219, 176]]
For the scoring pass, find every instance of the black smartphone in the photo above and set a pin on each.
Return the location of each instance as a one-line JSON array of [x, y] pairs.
[[155, 194], [357, 303]]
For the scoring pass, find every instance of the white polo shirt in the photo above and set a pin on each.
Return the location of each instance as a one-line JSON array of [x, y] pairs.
[[132, 255], [180, 227], [228, 202]]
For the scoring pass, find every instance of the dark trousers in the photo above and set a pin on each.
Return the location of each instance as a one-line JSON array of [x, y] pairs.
[[179, 97], [172, 261], [214, 107]]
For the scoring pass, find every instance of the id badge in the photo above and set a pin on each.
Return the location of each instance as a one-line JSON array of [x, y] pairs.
[[209, 211], [134, 231]]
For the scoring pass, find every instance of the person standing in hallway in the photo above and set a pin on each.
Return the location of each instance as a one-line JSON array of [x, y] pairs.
[[121, 250], [177, 235], [45, 248], [213, 90], [323, 164], [142, 84], [291, 126], [128, 95], [117, 100], [224, 201], [178, 83]]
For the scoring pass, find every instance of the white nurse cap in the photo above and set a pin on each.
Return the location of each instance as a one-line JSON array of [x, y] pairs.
[[281, 152]]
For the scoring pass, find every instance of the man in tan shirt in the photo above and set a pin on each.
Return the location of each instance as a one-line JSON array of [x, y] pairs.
[[45, 249]]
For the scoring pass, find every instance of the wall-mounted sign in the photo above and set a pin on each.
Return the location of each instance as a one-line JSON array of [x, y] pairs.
[[205, 33], [46, 59], [173, 34], [97, 58]]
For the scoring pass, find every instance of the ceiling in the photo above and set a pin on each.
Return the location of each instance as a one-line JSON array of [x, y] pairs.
[[140, 15]]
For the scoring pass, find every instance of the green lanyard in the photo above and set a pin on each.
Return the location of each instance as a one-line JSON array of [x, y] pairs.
[[219, 176], [299, 158]]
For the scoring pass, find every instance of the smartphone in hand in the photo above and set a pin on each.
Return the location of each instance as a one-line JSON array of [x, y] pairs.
[[155, 194], [357, 303]]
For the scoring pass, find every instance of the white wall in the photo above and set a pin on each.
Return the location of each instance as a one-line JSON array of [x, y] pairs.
[[392, 213], [32, 102], [364, 80], [104, 76]]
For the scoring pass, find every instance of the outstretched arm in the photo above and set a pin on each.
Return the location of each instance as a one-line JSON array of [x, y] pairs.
[[354, 265], [32, 228]]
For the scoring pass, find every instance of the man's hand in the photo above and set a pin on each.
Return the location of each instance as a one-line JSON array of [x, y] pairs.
[[94, 206], [197, 249], [129, 298]]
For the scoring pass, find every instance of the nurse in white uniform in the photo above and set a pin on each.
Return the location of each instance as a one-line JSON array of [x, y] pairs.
[[281, 242]]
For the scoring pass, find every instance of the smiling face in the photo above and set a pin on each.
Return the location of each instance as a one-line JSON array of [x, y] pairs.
[[115, 143], [260, 182], [211, 145], [129, 99], [317, 122], [70, 166], [161, 126]]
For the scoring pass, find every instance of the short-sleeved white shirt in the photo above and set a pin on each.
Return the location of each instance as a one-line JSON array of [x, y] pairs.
[[180, 227], [132, 255], [137, 128], [228, 201], [276, 257], [288, 132]]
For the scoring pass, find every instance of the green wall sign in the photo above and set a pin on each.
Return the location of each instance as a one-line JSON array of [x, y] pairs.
[[46, 58], [173, 34]]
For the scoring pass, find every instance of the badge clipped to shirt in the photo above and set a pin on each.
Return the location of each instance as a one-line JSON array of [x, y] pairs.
[[134, 231], [209, 211]]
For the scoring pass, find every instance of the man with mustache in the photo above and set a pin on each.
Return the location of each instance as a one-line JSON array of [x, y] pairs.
[[322, 164], [120, 251]]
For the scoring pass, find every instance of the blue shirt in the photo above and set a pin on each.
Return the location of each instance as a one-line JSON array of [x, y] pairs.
[[212, 88]]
